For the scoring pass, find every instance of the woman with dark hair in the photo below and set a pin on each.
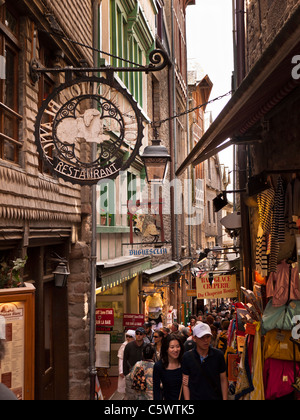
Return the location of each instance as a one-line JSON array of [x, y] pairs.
[[167, 371], [158, 339]]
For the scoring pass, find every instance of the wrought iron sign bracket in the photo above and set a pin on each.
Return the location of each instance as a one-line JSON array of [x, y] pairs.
[[158, 61], [90, 109]]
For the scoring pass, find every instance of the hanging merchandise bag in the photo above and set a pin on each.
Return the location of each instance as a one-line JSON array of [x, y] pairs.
[[279, 318], [278, 345]]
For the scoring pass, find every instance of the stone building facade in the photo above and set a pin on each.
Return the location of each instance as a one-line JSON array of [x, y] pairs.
[[264, 21], [269, 26]]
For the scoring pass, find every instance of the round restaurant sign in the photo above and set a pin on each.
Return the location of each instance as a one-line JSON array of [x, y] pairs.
[[84, 112]]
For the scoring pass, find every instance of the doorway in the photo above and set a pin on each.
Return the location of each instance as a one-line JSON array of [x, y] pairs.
[[51, 330]]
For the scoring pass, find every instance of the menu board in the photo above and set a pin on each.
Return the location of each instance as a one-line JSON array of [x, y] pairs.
[[103, 351], [12, 365], [104, 319], [17, 308]]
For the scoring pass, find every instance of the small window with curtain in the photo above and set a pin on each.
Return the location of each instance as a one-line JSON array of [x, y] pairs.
[[10, 119], [107, 203]]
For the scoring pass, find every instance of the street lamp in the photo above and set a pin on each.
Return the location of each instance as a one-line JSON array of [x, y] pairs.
[[61, 275], [156, 159]]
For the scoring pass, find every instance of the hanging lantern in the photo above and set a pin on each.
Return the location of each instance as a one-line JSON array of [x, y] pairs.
[[156, 159], [61, 275]]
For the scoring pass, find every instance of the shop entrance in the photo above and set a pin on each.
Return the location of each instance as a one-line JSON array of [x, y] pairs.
[[51, 330], [52, 383]]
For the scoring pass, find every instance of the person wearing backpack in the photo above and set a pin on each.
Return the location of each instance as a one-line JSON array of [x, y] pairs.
[[142, 375], [133, 353]]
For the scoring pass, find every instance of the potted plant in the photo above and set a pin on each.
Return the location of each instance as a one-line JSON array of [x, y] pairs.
[[10, 273], [103, 219]]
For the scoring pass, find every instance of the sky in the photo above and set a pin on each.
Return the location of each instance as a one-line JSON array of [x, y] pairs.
[[210, 41]]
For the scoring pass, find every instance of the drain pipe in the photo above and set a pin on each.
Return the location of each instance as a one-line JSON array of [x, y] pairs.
[[176, 254], [240, 33], [234, 87], [189, 146], [93, 261], [172, 171]]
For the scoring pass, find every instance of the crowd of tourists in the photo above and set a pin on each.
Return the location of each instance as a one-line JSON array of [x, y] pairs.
[[177, 362]]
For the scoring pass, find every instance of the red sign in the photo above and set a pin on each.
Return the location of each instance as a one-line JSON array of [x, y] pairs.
[[104, 319], [133, 321], [251, 329]]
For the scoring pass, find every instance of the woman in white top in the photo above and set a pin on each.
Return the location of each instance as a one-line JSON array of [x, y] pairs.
[[130, 336]]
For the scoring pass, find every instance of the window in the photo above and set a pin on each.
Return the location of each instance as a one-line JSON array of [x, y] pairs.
[[214, 216], [209, 212], [209, 168], [10, 119], [107, 203], [111, 201], [131, 191], [125, 44], [131, 187]]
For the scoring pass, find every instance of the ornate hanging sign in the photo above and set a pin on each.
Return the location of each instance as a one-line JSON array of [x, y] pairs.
[[86, 111]]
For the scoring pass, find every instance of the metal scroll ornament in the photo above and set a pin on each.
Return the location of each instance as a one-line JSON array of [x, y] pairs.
[[85, 112]]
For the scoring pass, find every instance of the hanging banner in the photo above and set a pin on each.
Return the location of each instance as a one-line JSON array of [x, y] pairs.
[[223, 287], [85, 112]]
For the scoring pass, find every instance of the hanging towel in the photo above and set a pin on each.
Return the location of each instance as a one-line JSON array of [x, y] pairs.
[[258, 383], [278, 224]]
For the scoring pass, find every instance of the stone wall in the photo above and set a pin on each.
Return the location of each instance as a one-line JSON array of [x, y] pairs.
[[79, 321], [264, 20], [75, 17]]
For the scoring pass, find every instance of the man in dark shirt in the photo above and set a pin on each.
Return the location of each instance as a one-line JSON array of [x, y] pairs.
[[149, 333], [204, 369], [134, 351]]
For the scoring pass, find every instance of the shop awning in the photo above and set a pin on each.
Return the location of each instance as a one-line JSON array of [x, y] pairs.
[[185, 262], [266, 85], [112, 273], [161, 271]]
